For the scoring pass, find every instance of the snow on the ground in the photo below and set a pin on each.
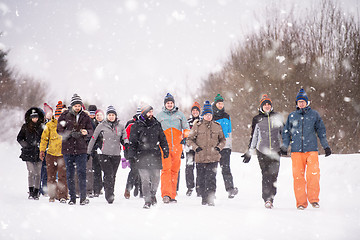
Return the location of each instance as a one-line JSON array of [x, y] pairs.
[[243, 217]]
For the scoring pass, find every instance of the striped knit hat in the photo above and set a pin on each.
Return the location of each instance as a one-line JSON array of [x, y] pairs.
[[138, 110], [58, 109], [197, 106], [218, 98], [145, 108], [265, 99], [76, 99], [207, 108], [92, 109], [111, 109], [302, 96]]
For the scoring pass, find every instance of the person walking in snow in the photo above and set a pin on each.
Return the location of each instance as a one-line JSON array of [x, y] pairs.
[[176, 128], [223, 118], [133, 179], [148, 150], [265, 137], [51, 142], [29, 139], [114, 135], [190, 154], [207, 139], [95, 154], [74, 125], [300, 131]]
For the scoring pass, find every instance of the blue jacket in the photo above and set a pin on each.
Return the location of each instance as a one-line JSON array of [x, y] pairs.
[[301, 129], [220, 116]]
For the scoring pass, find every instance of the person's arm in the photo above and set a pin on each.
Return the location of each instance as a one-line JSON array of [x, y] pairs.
[[163, 142], [191, 140], [21, 137], [93, 138], [45, 136], [321, 131]]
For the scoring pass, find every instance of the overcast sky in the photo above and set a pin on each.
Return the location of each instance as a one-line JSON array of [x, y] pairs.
[[120, 51]]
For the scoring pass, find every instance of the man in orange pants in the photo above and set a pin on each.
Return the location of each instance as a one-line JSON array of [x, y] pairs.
[[176, 128], [300, 130]]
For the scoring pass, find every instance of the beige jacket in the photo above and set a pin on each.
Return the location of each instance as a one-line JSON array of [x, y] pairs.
[[206, 135]]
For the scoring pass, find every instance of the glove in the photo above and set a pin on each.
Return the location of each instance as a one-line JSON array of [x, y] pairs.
[[327, 152], [217, 149], [182, 155], [75, 134], [192, 152], [198, 149], [42, 155], [166, 155], [283, 151], [247, 157], [183, 141]]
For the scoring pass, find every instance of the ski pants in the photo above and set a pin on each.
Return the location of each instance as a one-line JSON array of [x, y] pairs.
[[206, 174], [306, 189], [170, 172], [98, 182], [150, 179], [56, 168], [109, 165], [225, 169], [269, 170]]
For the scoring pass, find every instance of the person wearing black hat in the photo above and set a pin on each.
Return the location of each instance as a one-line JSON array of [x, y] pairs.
[[75, 127], [29, 138], [147, 147], [114, 135], [223, 118], [266, 139], [301, 130]]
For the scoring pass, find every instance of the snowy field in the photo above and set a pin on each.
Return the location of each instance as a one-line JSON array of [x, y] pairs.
[[241, 218]]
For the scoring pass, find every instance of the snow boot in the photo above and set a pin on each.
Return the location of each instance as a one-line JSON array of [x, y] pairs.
[[268, 204], [147, 205], [189, 192], [72, 201], [31, 193], [301, 207], [166, 199], [85, 201], [153, 200], [36, 194], [233, 192], [315, 205], [127, 194]]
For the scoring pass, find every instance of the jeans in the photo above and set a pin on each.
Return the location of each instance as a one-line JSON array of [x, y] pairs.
[[78, 162]]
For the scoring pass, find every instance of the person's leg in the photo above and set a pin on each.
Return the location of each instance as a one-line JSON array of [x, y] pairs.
[[200, 173], [189, 170], [80, 160], [225, 169], [37, 176], [210, 182], [175, 168], [31, 179], [298, 167], [70, 174], [154, 181], [165, 177], [115, 162], [62, 185], [97, 175], [107, 169], [43, 178], [145, 181], [51, 166], [313, 177], [89, 177]]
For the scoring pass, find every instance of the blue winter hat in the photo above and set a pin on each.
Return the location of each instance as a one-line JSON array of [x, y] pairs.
[[302, 96], [207, 108], [168, 98]]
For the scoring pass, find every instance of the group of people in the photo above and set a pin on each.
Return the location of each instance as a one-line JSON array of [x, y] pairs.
[[75, 142]]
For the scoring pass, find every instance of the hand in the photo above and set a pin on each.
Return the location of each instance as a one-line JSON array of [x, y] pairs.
[[84, 132], [192, 152], [247, 157], [183, 141], [124, 163], [75, 134], [217, 149], [327, 152], [198, 149], [166, 155], [42, 155], [283, 150]]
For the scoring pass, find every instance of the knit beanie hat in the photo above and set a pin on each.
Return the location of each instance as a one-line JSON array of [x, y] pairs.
[[99, 110], [197, 106], [111, 109], [58, 109], [265, 99], [145, 108], [138, 110], [92, 109], [168, 98], [76, 99], [302, 96], [207, 108], [218, 98], [34, 114]]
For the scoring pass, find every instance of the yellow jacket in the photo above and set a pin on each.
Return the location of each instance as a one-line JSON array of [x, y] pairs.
[[51, 137]]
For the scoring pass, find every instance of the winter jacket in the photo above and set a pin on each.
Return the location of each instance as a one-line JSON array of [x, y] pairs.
[[29, 136], [113, 136], [301, 129], [146, 140], [223, 118], [98, 142], [206, 135], [173, 122], [128, 126], [69, 126], [51, 139], [190, 121], [266, 133]]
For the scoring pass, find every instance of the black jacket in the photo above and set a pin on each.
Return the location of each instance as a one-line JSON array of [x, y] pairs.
[[146, 139], [29, 136]]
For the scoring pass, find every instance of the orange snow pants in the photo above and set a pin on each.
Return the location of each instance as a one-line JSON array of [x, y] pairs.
[[308, 189], [170, 171]]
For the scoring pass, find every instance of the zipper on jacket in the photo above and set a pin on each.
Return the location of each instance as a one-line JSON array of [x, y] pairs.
[[269, 131], [302, 134]]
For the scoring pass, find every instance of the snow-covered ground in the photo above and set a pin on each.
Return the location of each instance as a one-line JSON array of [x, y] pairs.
[[241, 218]]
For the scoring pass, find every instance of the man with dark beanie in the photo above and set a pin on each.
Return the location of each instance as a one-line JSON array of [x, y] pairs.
[[75, 127], [266, 139], [147, 144], [300, 131], [223, 118]]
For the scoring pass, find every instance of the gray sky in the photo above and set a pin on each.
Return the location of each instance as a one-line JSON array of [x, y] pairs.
[[121, 51]]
